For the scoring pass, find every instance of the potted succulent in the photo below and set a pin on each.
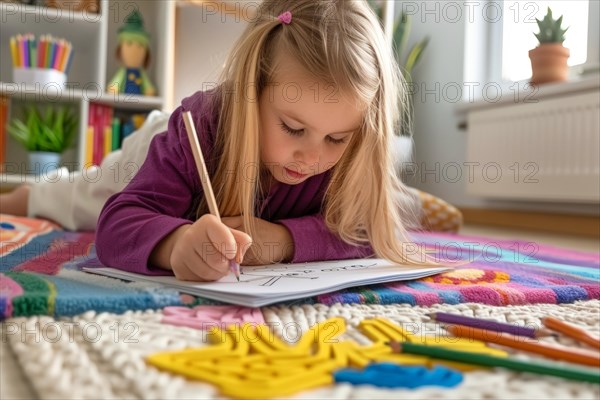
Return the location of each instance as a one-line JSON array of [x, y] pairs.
[[549, 59], [45, 136]]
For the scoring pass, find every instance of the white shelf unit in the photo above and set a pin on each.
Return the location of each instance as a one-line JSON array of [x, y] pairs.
[[94, 40]]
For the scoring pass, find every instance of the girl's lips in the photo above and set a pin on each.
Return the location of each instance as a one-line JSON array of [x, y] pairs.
[[294, 174]]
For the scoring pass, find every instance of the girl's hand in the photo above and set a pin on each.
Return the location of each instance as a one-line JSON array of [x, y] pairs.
[[272, 243], [201, 251]]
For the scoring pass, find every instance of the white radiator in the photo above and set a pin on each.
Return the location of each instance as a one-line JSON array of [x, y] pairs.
[[549, 150]]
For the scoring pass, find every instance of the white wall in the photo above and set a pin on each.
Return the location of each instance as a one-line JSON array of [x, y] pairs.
[[203, 39], [438, 140]]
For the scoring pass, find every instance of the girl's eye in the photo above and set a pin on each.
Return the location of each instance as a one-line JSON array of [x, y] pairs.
[[293, 132], [298, 132], [337, 141]]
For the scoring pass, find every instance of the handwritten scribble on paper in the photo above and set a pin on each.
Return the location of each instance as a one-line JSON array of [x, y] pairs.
[[269, 276]]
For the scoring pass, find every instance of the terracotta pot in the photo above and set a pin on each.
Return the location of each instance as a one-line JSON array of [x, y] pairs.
[[549, 63]]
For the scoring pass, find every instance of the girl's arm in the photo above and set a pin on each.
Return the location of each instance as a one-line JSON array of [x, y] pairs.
[[314, 242], [154, 203]]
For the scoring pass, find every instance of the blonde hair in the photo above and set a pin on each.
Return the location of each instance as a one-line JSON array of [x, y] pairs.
[[338, 41]]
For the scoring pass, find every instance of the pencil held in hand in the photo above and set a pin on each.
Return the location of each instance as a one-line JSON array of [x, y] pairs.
[[205, 178]]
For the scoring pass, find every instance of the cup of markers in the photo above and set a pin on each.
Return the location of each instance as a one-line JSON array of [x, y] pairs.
[[44, 61]]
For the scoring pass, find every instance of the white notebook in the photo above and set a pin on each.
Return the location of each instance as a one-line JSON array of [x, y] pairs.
[[263, 285]]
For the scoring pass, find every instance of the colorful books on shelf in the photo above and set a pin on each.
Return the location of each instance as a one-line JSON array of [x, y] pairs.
[[98, 139], [106, 132]]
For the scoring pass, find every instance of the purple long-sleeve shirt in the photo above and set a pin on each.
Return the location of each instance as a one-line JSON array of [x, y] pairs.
[[163, 196]]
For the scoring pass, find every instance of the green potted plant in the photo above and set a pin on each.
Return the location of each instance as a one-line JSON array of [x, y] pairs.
[[45, 136], [400, 33], [549, 59]]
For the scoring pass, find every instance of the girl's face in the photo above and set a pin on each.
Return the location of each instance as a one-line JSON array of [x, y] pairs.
[[305, 125]]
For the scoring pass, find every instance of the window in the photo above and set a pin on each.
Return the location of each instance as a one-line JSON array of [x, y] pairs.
[[519, 25]]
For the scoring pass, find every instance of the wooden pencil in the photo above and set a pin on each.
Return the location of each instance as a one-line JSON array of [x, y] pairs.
[[205, 178], [516, 342], [547, 368], [572, 331]]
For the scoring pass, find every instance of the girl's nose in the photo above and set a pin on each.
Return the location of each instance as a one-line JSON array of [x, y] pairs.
[[308, 155]]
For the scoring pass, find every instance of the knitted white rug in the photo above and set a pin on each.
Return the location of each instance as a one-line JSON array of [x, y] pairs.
[[100, 356]]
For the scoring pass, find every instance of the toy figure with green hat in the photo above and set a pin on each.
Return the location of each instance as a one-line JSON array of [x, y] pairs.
[[134, 53]]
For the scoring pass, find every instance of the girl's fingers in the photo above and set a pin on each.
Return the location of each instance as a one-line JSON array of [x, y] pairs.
[[215, 244], [221, 237], [233, 243], [217, 263], [208, 242], [244, 241]]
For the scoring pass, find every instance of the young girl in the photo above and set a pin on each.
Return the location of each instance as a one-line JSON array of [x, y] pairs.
[[297, 140]]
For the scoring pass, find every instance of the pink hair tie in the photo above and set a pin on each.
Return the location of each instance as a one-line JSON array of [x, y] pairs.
[[285, 17]]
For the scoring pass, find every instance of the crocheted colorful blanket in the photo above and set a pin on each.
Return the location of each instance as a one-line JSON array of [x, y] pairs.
[[40, 273]]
